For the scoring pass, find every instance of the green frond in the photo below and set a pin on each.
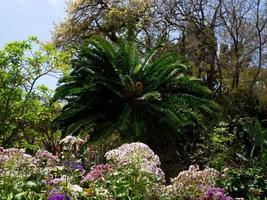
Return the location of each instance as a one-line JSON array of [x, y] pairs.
[[128, 84], [171, 60], [167, 116], [111, 88], [189, 85], [124, 119], [128, 57]]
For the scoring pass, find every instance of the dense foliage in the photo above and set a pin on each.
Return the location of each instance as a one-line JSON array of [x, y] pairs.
[[187, 78], [26, 112], [111, 88]]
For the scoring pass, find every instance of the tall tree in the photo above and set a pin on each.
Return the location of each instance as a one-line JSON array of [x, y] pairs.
[[25, 108], [224, 39], [112, 88], [115, 19]]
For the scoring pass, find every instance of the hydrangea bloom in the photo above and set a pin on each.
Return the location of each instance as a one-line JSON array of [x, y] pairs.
[[136, 153]]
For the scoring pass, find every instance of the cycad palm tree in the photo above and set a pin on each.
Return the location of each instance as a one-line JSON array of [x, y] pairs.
[[111, 88]]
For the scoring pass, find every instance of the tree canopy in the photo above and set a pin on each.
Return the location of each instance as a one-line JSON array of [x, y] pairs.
[[25, 104]]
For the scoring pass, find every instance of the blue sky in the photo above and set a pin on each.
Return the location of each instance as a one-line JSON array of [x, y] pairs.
[[21, 18]]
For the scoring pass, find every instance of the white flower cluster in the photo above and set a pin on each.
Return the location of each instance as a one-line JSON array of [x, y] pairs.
[[14, 161], [137, 153], [71, 143], [193, 182]]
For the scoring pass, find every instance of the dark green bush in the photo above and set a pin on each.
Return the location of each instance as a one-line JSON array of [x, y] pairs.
[[249, 183]]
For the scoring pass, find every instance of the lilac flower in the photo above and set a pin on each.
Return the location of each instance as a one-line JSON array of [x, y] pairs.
[[59, 196], [43, 157], [214, 193], [74, 165], [97, 172], [57, 181]]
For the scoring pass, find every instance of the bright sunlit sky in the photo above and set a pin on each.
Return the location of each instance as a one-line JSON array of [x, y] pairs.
[[21, 18]]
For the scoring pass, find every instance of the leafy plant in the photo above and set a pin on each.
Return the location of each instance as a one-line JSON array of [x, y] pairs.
[[26, 112], [111, 88], [122, 182], [250, 183], [19, 179]]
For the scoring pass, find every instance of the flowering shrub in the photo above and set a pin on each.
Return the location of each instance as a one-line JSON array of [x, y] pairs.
[[192, 184], [59, 196], [137, 153], [132, 172], [21, 176], [250, 183], [97, 172], [71, 142], [216, 193], [44, 158]]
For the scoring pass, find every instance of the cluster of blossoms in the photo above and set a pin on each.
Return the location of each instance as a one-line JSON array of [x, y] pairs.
[[11, 153], [71, 143], [68, 180], [214, 193], [137, 153], [57, 181], [192, 183], [97, 172], [74, 165], [41, 158], [45, 158], [55, 195]]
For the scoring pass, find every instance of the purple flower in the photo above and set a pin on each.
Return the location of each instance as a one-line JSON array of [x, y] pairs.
[[60, 196], [216, 194], [78, 167], [74, 165], [56, 181]]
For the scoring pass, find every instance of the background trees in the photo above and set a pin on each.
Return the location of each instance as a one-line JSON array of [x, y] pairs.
[[112, 89], [224, 39], [204, 31], [26, 112]]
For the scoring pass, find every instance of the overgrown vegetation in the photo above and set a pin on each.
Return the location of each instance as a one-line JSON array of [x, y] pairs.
[[186, 78]]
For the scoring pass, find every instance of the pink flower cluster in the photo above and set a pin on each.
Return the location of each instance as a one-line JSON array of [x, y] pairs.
[[139, 154], [97, 172], [57, 181], [43, 157], [13, 153]]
